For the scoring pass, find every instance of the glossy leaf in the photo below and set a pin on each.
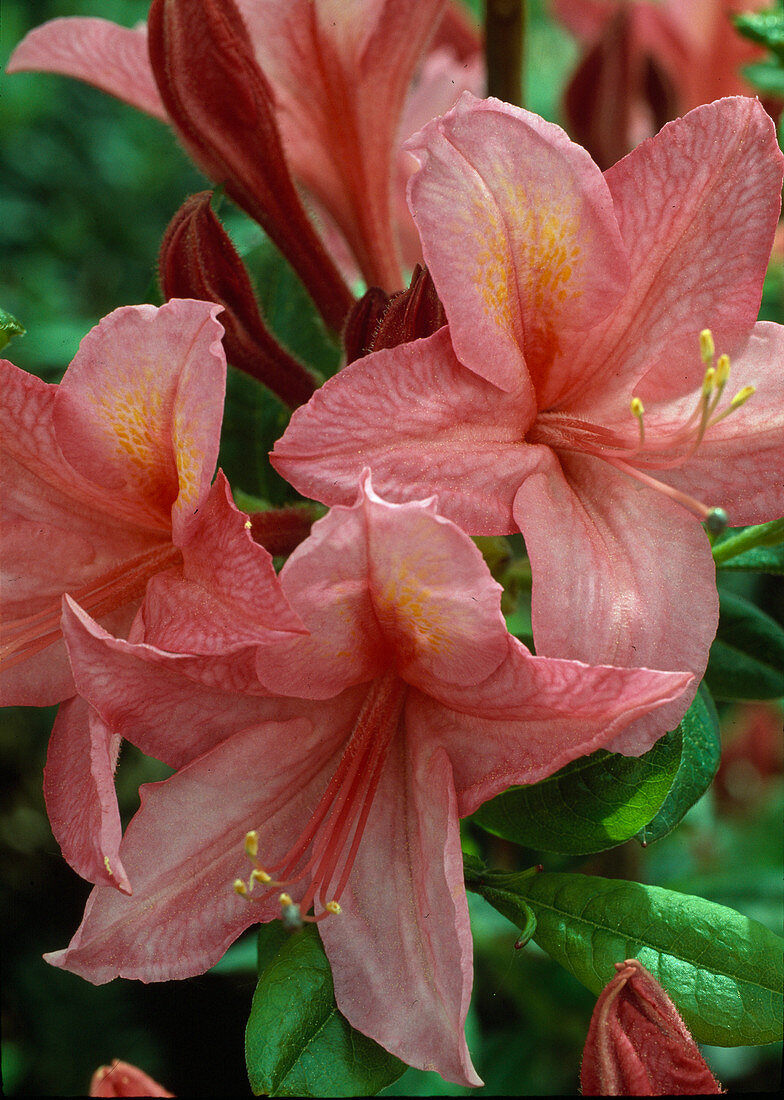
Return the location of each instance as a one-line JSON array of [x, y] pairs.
[[592, 804], [747, 657], [723, 971], [296, 1041], [9, 327], [699, 762]]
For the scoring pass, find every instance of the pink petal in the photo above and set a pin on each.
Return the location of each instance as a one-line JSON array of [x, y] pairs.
[[697, 206], [139, 409], [229, 590], [444, 76], [326, 581], [536, 714], [184, 849], [55, 536], [438, 607], [147, 697], [97, 51], [80, 797], [400, 949], [423, 424], [641, 588], [331, 64], [519, 234]]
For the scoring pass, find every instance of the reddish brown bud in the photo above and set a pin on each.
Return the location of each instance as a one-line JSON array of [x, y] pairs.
[[123, 1079], [281, 530], [379, 320], [638, 1045], [615, 81], [198, 260], [222, 107]]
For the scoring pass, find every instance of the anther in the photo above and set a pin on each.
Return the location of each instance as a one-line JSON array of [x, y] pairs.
[[240, 887], [257, 875], [742, 396], [333, 907], [707, 347], [252, 843], [722, 370], [638, 411]]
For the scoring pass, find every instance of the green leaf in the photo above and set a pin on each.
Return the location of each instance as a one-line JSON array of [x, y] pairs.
[[747, 657], [9, 327], [296, 1041], [592, 804], [723, 971], [764, 27], [699, 762]]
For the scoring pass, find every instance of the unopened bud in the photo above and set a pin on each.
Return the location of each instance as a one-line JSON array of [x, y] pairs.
[[123, 1079], [637, 1043]]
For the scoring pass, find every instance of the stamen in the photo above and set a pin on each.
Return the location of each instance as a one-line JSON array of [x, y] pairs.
[[327, 847]]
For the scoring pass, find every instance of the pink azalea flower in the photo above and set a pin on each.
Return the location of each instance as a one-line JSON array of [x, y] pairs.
[[405, 708], [570, 294], [638, 1045], [339, 73], [123, 1079], [105, 483], [648, 62]]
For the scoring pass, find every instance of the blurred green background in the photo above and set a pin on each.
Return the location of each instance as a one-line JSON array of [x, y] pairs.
[[88, 186]]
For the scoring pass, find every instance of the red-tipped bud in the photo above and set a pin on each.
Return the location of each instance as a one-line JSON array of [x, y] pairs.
[[222, 107], [198, 260], [379, 320], [281, 530], [123, 1079], [638, 1045]]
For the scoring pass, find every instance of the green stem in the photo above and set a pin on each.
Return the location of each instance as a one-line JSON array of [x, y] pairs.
[[766, 534]]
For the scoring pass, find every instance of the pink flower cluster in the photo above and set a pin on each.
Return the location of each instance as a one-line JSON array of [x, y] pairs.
[[330, 725]]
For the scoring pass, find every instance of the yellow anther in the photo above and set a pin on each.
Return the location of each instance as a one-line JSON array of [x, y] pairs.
[[108, 866], [257, 875], [285, 899], [722, 370], [742, 396], [248, 525], [637, 411], [240, 887], [707, 347], [708, 381], [332, 907], [252, 843]]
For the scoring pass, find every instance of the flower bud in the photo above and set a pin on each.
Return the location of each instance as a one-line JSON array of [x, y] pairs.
[[198, 260], [637, 1043], [123, 1079], [223, 109], [383, 321]]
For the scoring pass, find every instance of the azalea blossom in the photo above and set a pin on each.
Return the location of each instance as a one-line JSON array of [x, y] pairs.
[[331, 76], [105, 487], [336, 784], [648, 62], [577, 395], [123, 1079], [638, 1045]]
